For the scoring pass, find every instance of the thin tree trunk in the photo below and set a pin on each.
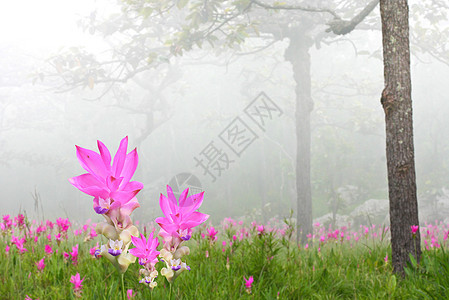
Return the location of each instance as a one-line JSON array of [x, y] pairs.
[[397, 104], [298, 55]]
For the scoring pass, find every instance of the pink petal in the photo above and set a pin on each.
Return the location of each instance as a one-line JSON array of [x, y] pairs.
[[130, 166], [132, 186], [113, 183], [164, 203], [167, 225], [90, 185], [92, 163], [182, 197], [120, 157], [138, 242], [105, 155], [195, 219], [173, 203], [192, 203]]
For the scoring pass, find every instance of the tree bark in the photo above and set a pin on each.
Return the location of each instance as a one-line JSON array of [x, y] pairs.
[[397, 104], [298, 55]]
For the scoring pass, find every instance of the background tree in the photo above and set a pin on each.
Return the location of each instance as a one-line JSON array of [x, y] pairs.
[[397, 104]]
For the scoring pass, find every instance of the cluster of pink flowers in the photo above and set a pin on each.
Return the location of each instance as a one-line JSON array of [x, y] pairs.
[[114, 199], [73, 255]]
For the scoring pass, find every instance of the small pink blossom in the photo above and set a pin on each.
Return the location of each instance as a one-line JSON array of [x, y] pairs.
[[129, 294], [48, 249], [40, 265], [74, 254], [248, 283], [414, 229], [77, 284]]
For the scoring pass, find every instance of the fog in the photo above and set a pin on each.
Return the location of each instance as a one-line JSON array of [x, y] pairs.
[[175, 112]]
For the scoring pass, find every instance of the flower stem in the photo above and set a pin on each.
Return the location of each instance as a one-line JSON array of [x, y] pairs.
[[169, 297], [123, 287]]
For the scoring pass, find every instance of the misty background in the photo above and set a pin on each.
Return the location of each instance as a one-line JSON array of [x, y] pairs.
[[189, 103]]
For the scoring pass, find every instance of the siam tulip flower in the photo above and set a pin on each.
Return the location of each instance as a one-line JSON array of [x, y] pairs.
[[414, 229], [176, 227], [248, 283], [63, 224], [77, 284], [113, 192], [74, 254], [7, 248], [179, 218], [146, 250], [114, 197], [20, 220], [48, 249], [20, 247], [211, 232], [49, 224], [40, 265], [66, 255], [7, 221]]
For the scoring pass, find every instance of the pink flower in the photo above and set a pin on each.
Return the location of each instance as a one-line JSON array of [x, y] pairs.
[[94, 249], [129, 294], [77, 284], [386, 258], [180, 219], [7, 249], [109, 185], [74, 254], [212, 233], [248, 283], [49, 224], [145, 250], [414, 229], [20, 219], [40, 265], [63, 224], [48, 249], [92, 233], [260, 229]]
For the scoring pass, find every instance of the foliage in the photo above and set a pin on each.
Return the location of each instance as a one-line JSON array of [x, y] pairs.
[[341, 264]]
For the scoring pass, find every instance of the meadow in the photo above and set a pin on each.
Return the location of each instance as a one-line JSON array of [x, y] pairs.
[[39, 258]]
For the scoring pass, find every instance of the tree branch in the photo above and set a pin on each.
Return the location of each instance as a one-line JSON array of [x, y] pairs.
[[342, 27], [294, 7]]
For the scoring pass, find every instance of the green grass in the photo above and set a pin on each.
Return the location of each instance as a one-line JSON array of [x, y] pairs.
[[281, 270]]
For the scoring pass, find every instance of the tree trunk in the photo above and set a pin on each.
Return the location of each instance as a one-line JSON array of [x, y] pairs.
[[298, 55], [397, 104]]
